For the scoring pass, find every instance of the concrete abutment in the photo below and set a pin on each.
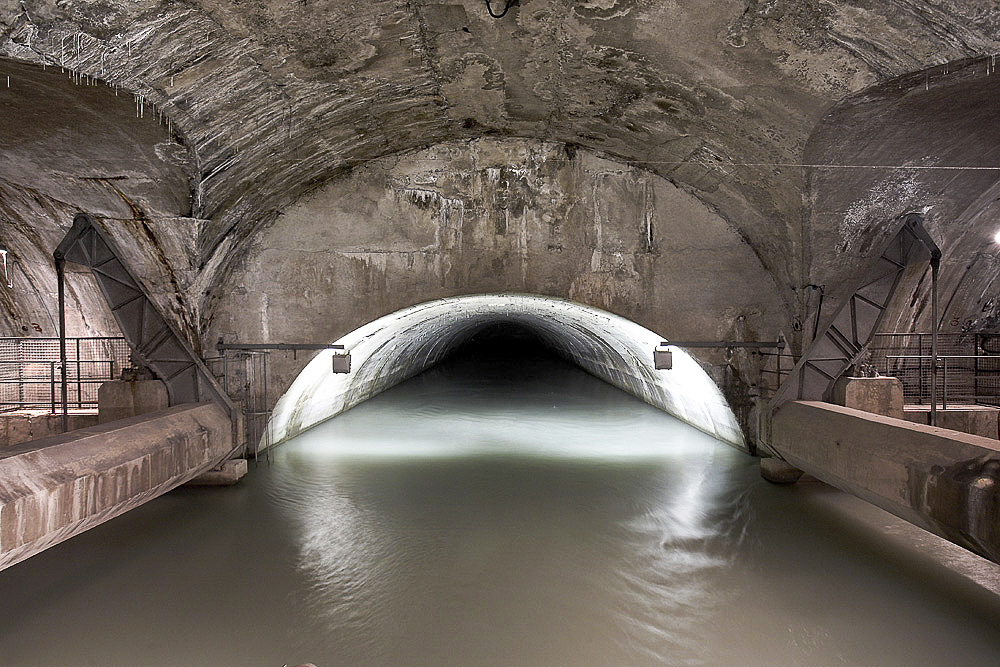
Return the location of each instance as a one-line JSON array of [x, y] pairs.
[[944, 481], [58, 487]]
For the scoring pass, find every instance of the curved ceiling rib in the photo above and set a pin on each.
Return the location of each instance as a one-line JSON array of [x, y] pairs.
[[935, 133]]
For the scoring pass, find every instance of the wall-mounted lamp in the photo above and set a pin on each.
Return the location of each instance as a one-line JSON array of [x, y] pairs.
[[341, 362], [663, 357], [996, 237], [507, 5]]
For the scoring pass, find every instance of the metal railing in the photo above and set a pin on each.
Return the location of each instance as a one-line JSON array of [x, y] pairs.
[[777, 366], [968, 366], [31, 373], [959, 376]]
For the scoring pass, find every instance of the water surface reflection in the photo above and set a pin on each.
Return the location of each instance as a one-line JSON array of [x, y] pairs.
[[521, 514]]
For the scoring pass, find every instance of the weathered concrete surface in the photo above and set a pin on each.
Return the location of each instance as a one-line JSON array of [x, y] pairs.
[[69, 147], [979, 420], [226, 473], [267, 101], [499, 216], [21, 426], [120, 399], [949, 175], [55, 488], [284, 95], [943, 481], [801, 129], [881, 395]]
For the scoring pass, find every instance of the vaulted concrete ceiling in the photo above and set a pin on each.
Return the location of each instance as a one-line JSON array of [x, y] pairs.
[[273, 97], [940, 126]]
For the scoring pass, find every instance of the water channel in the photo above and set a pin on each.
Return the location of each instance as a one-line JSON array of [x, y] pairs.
[[503, 512]]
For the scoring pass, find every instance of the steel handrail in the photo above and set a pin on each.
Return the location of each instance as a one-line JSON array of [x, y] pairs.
[[944, 369]]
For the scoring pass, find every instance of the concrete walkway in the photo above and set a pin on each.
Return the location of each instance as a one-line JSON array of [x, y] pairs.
[[57, 487], [944, 481]]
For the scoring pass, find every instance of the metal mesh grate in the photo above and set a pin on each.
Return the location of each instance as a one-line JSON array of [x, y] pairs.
[[243, 375], [31, 373], [968, 367]]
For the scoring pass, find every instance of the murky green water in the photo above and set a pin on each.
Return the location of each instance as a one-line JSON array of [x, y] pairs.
[[503, 514]]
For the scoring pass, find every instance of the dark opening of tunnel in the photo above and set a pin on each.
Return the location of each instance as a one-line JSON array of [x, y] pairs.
[[503, 344], [503, 393], [505, 365]]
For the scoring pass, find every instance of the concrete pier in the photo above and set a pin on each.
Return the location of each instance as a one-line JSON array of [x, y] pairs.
[[57, 487], [777, 471], [226, 473], [943, 481], [881, 395]]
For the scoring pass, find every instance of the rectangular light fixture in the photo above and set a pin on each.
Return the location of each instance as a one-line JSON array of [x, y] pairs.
[[341, 363], [663, 359]]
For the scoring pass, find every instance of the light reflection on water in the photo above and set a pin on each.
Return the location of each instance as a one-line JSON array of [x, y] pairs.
[[525, 520], [500, 515]]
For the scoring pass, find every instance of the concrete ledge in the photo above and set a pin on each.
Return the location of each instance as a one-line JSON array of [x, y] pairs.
[[22, 426], [975, 419], [57, 487], [941, 480]]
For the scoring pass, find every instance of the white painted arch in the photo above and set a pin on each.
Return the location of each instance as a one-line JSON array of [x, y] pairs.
[[400, 345]]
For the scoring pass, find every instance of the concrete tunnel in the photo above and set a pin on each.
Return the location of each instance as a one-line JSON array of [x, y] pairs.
[[402, 344], [605, 175]]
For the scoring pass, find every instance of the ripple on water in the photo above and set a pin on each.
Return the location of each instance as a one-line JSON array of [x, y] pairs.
[[497, 518]]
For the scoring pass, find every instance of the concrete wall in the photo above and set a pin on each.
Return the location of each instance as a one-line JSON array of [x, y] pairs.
[[69, 146], [120, 399], [20, 426], [933, 124], [273, 98], [493, 216], [261, 104], [979, 420]]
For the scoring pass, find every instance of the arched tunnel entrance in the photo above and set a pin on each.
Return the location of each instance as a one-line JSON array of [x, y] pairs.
[[402, 344]]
